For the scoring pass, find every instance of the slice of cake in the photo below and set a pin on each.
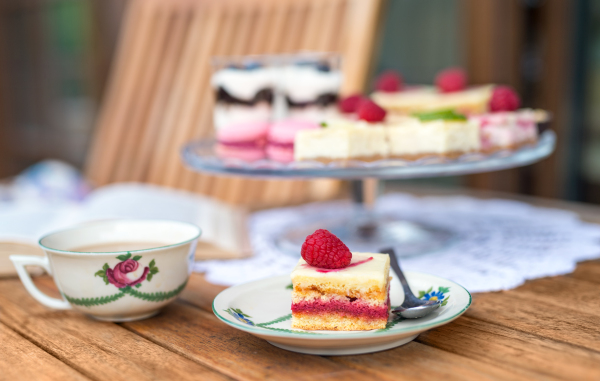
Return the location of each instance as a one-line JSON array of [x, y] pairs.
[[446, 134], [331, 144], [364, 139], [351, 297], [507, 129]]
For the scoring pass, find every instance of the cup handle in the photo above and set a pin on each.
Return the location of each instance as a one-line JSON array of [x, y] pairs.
[[20, 261]]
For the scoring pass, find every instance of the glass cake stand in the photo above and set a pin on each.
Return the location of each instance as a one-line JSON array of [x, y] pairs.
[[366, 230]]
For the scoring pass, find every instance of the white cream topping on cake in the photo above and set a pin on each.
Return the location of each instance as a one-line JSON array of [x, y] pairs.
[[362, 272]]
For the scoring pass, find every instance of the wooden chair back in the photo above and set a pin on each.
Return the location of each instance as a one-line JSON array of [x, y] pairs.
[[159, 96]]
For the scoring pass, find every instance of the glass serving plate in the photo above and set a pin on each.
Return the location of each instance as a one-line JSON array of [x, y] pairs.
[[367, 231], [200, 156]]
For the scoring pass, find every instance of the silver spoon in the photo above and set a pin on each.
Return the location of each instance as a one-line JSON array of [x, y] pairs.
[[412, 307]]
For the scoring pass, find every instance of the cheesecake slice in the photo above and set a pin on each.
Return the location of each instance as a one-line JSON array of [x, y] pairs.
[[445, 134], [359, 142]]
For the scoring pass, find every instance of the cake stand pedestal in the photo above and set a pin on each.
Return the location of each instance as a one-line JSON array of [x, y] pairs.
[[367, 230]]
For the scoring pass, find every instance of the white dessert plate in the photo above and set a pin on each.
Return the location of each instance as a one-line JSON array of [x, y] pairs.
[[262, 308]]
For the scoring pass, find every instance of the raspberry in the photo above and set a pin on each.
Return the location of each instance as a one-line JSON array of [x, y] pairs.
[[370, 111], [389, 82], [325, 250], [350, 104], [504, 98], [449, 80]]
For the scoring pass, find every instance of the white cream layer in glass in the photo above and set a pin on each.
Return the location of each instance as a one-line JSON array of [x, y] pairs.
[[414, 137], [229, 114], [341, 143], [306, 83], [243, 83], [315, 114], [373, 272]]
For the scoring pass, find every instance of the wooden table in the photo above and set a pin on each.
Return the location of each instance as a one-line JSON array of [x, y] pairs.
[[546, 329]]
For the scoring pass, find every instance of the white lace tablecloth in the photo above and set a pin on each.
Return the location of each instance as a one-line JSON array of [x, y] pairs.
[[500, 243]]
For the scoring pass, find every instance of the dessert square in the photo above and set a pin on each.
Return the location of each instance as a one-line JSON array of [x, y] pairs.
[[353, 298], [367, 143], [507, 130], [413, 139]]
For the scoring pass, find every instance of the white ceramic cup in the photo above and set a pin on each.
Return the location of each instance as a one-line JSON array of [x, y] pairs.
[[119, 285]]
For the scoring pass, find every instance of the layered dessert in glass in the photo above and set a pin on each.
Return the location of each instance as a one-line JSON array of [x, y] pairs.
[[244, 90], [310, 84]]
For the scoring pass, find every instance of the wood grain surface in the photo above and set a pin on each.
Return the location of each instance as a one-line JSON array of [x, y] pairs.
[[545, 329]]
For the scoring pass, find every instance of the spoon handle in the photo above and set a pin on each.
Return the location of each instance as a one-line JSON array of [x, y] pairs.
[[396, 266]]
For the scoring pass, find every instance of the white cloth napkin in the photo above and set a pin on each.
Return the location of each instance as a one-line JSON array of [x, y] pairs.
[[500, 244]]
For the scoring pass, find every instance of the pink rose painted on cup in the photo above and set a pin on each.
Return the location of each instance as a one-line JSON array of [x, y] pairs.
[[118, 275]]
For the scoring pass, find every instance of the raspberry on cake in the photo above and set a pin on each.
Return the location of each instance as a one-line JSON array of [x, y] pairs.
[[450, 80], [349, 104], [504, 98], [353, 297], [389, 82]]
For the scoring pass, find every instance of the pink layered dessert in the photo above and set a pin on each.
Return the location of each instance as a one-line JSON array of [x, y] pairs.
[[245, 141], [280, 140], [507, 130], [352, 298]]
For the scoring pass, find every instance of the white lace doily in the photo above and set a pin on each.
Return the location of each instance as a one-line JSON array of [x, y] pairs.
[[500, 243]]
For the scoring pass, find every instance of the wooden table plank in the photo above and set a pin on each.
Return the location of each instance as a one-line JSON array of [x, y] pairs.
[[488, 343], [200, 293], [529, 315], [21, 360], [99, 350], [200, 336], [416, 361], [563, 291]]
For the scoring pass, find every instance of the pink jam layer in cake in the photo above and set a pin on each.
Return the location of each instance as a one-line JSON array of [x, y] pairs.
[[352, 308]]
